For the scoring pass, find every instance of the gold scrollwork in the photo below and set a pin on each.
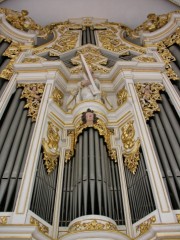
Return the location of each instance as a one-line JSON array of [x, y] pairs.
[[42, 228], [58, 97], [3, 220], [144, 59], [131, 147], [178, 218], [92, 225], [122, 96], [34, 59], [23, 22], [167, 57], [145, 226], [33, 94], [148, 94], [94, 59], [50, 148], [8, 71]]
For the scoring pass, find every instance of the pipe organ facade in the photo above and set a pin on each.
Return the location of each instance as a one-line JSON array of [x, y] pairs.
[[89, 148]]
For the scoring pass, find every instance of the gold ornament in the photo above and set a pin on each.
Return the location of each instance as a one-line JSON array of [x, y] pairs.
[[33, 94], [3, 220], [103, 131], [145, 226], [34, 59], [148, 94], [131, 147], [122, 96], [91, 226], [95, 60], [144, 59], [8, 71], [50, 148], [58, 97], [42, 228]]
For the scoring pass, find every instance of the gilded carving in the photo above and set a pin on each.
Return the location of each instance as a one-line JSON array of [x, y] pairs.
[[33, 94], [13, 50], [58, 96], [92, 225], [8, 71], [178, 218], [23, 22], [149, 94], [3, 220], [145, 226], [34, 59], [42, 228], [95, 60], [122, 96], [131, 147], [144, 59], [50, 148], [66, 41], [166, 55], [96, 123]]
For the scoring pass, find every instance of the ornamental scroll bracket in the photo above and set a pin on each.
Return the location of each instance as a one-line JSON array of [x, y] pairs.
[[145, 226], [97, 124], [33, 94], [50, 148], [149, 94], [131, 147]]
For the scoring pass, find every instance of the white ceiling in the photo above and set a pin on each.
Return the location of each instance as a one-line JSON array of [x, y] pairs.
[[129, 12]]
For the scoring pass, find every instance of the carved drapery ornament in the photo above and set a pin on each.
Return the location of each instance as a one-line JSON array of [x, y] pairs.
[[58, 96], [103, 131], [50, 148], [42, 228], [92, 225], [148, 94], [131, 147], [122, 96], [145, 226], [33, 94]]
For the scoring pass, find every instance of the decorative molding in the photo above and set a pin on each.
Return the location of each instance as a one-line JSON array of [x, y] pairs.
[[34, 59], [97, 124], [131, 147], [50, 148], [42, 228], [148, 94], [33, 94], [145, 226], [122, 96], [144, 58], [92, 226]]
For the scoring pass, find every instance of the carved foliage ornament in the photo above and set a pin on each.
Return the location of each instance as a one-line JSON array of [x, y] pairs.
[[131, 147], [122, 96], [3, 220], [42, 228], [95, 60], [166, 54], [97, 124], [22, 21], [58, 97], [33, 94], [92, 225], [148, 94], [50, 148], [145, 226]]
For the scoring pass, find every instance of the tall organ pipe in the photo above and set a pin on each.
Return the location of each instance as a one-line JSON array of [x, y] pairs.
[[98, 190]]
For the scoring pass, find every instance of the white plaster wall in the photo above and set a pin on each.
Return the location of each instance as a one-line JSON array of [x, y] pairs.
[[129, 12]]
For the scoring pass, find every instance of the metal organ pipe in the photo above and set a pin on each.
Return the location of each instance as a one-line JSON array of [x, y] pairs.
[[94, 189]]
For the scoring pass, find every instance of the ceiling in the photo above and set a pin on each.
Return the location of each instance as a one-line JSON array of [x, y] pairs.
[[129, 12]]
